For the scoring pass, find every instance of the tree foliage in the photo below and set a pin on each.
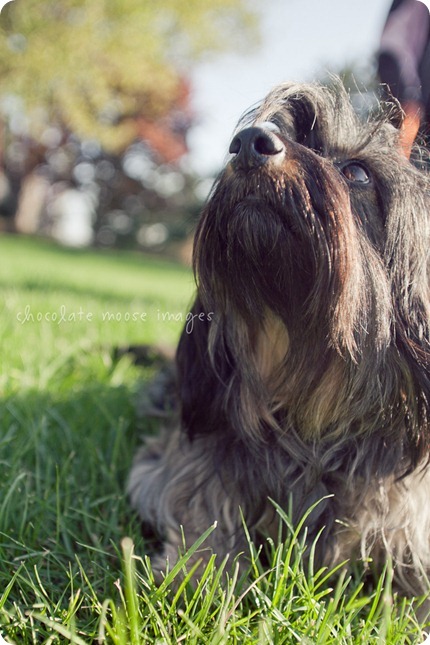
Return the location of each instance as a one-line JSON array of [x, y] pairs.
[[97, 64]]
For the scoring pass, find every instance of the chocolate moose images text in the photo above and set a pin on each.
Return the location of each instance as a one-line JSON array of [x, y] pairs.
[[63, 315]]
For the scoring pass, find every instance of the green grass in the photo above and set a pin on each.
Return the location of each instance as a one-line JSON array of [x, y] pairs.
[[73, 564]]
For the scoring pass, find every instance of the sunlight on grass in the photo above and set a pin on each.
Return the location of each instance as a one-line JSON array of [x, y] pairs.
[[278, 602], [63, 309]]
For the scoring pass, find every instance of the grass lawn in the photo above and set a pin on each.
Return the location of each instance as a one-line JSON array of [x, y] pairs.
[[73, 567]]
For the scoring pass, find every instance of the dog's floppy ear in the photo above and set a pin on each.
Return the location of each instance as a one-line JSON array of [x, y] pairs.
[[199, 385], [416, 392], [407, 255]]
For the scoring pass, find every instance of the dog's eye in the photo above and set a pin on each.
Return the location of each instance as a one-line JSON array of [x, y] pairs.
[[355, 172]]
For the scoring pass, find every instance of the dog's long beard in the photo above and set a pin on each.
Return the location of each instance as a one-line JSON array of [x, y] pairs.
[[292, 248], [289, 259], [249, 254], [260, 258]]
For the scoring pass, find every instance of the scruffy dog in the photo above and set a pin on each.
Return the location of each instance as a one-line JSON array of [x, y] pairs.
[[306, 370]]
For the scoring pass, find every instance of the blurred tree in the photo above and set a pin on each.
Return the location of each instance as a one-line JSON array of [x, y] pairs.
[[95, 102], [99, 65]]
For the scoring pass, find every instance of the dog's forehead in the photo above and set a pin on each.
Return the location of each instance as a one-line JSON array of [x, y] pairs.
[[319, 113]]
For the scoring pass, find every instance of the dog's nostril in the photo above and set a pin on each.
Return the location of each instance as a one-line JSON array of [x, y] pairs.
[[253, 146], [266, 144], [235, 146]]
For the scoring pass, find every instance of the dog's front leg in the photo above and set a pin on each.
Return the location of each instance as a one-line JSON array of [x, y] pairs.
[[177, 489]]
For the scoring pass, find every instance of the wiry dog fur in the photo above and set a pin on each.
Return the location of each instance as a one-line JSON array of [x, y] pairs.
[[307, 373]]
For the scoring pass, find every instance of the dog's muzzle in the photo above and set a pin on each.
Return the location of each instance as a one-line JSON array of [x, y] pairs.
[[255, 147]]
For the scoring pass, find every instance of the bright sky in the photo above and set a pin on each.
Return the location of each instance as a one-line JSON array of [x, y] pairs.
[[299, 38], [2, 4]]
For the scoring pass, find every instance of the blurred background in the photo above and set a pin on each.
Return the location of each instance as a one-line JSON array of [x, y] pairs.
[[115, 116]]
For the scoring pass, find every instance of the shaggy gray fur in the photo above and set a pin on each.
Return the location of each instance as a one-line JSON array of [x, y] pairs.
[[306, 372]]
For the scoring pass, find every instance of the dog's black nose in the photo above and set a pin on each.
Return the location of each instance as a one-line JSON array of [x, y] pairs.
[[255, 147]]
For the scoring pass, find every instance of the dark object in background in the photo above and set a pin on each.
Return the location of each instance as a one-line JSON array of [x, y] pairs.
[[404, 65]]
